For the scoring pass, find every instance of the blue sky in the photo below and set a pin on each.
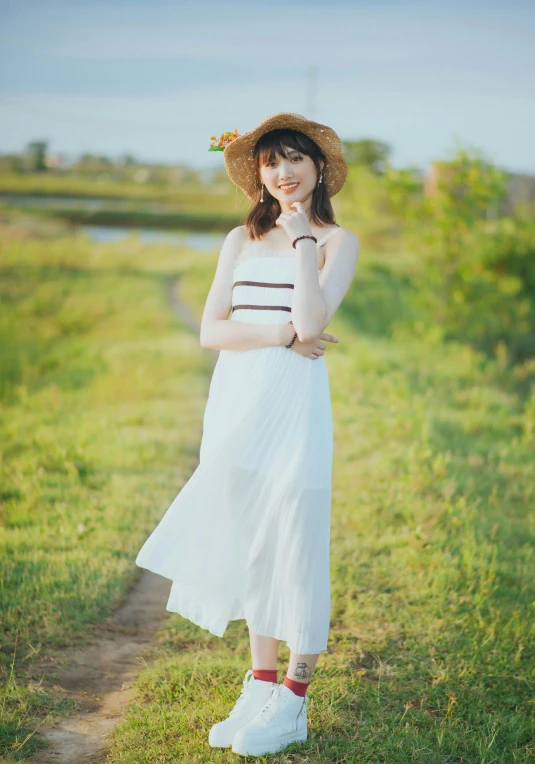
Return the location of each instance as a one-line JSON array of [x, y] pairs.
[[156, 79]]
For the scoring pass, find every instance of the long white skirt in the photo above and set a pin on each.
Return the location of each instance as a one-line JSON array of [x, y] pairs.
[[248, 536]]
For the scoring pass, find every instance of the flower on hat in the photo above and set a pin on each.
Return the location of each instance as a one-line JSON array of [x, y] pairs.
[[223, 140]]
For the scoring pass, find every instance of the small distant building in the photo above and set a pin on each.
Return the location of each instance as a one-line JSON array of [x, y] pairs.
[[520, 192], [176, 174], [142, 175], [56, 162], [435, 171]]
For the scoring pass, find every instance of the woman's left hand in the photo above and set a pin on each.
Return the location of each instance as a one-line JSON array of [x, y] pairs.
[[295, 223]]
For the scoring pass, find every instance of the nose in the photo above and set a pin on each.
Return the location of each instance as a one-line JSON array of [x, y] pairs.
[[285, 171]]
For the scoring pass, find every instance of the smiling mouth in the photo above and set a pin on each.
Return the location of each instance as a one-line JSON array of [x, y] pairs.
[[288, 186]]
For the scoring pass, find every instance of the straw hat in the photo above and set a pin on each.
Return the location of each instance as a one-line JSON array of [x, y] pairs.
[[239, 154]]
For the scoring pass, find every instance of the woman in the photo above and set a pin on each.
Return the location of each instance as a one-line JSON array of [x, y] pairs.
[[248, 535]]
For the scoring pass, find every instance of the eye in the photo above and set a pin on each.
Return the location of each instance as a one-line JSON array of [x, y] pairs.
[[299, 158]]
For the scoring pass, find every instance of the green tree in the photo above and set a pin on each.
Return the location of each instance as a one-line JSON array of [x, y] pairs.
[[36, 152], [466, 190], [405, 191], [367, 152], [128, 160], [477, 275]]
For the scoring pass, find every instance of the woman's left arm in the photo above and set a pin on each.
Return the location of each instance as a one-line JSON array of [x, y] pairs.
[[317, 296]]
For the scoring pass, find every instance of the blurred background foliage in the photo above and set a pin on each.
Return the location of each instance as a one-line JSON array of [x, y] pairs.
[[103, 384], [449, 250]]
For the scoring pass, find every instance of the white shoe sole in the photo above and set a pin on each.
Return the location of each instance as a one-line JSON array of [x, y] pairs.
[[222, 738], [215, 744], [257, 749]]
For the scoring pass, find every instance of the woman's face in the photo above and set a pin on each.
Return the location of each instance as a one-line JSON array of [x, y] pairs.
[[290, 180]]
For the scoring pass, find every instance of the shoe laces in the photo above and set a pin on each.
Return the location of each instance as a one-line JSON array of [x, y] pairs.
[[243, 694], [246, 689], [276, 701]]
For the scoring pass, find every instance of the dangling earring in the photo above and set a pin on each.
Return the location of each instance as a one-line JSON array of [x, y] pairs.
[[321, 178], [262, 193]]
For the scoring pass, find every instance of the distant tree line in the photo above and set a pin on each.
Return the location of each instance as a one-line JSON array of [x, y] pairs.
[[36, 158]]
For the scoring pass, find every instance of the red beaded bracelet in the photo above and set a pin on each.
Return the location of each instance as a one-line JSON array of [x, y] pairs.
[[293, 339], [306, 236]]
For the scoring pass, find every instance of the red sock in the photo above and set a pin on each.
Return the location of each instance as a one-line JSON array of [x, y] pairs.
[[299, 688], [266, 675]]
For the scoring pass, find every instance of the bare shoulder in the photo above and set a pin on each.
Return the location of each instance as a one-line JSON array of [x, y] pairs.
[[238, 234], [345, 245], [349, 239], [232, 245]]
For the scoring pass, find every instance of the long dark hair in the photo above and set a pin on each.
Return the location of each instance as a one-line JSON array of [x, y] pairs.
[[262, 215]]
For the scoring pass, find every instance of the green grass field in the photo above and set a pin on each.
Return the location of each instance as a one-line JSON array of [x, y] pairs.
[[103, 391], [82, 185], [186, 205], [431, 655]]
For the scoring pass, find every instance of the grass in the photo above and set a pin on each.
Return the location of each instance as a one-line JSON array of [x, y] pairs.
[[185, 219], [102, 394], [192, 205], [431, 655], [136, 218], [80, 185], [218, 205]]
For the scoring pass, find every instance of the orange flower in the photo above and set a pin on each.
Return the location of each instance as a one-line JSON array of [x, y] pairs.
[[223, 140]]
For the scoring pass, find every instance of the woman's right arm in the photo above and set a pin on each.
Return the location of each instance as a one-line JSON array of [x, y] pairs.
[[217, 331]]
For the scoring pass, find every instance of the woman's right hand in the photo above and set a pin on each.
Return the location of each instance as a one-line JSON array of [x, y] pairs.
[[315, 347]]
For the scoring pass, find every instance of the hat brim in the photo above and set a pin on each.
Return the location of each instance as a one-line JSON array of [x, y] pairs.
[[239, 154]]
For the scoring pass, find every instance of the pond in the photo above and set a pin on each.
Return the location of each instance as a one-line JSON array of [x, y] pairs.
[[85, 203], [200, 241]]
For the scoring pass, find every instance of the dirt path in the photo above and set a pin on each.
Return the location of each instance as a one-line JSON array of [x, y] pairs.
[[100, 675]]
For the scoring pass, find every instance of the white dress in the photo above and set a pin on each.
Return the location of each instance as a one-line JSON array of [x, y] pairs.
[[248, 536]]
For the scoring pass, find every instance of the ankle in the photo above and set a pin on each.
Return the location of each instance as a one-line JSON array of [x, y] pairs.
[[266, 675], [298, 688]]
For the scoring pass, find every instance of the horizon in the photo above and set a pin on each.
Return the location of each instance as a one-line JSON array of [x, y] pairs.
[[156, 82]]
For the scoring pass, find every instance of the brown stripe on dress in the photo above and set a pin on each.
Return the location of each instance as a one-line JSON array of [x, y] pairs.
[[263, 284], [260, 307]]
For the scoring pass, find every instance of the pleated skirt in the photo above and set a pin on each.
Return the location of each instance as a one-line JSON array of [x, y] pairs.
[[248, 535]]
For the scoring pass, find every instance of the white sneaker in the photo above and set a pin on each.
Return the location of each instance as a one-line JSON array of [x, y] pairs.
[[283, 720], [253, 697]]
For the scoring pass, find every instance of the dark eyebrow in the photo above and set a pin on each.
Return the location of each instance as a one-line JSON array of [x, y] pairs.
[[290, 151]]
